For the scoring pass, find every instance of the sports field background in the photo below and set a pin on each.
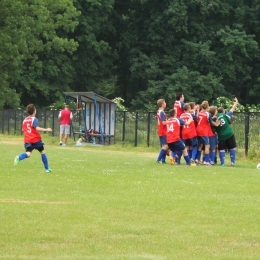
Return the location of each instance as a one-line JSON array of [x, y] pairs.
[[115, 202]]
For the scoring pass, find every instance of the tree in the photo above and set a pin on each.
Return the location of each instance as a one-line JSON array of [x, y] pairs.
[[31, 29]]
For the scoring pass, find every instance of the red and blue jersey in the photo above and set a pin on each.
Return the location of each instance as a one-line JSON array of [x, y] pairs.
[[161, 116], [203, 126], [31, 135], [173, 131], [188, 131], [178, 106]]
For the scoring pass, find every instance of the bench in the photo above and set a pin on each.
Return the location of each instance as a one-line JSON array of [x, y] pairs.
[[98, 138]]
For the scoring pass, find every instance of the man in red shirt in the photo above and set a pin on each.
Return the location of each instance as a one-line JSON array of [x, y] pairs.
[[32, 138], [173, 138], [65, 117]]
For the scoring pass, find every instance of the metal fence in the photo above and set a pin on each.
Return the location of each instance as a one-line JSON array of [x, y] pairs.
[[134, 128]]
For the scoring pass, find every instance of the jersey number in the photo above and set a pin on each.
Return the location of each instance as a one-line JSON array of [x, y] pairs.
[[29, 130], [170, 128]]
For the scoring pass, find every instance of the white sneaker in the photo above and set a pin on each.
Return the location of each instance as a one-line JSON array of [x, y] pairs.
[[16, 160]]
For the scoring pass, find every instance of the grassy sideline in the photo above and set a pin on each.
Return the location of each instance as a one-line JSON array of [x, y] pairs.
[[114, 202]]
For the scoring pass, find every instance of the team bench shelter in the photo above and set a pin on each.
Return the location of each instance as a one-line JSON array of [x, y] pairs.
[[98, 115]]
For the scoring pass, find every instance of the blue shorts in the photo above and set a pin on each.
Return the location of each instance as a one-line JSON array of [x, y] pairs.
[[163, 140], [177, 146], [191, 142], [203, 140], [213, 141], [30, 147]]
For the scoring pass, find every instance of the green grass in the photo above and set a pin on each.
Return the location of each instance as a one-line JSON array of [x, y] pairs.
[[114, 202]]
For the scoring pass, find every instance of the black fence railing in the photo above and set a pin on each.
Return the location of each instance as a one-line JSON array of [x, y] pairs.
[[135, 128]]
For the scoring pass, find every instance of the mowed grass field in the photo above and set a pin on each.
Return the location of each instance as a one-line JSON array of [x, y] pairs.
[[117, 203]]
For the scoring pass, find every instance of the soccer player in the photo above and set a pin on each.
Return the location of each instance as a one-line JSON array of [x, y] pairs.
[[178, 106], [32, 138], [226, 136], [65, 117], [173, 134], [162, 119], [213, 137], [188, 132], [203, 127]]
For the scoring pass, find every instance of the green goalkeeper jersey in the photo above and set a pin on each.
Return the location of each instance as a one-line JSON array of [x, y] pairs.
[[224, 130]]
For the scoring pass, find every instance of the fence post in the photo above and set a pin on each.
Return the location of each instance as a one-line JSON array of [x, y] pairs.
[[123, 130], [136, 127], [3, 120], [53, 122], [21, 129], [247, 132], [148, 129], [8, 121]]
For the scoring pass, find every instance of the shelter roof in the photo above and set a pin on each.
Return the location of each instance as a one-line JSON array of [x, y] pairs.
[[89, 97]]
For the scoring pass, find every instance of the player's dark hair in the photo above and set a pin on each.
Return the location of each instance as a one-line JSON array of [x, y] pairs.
[[186, 106], [221, 110], [30, 109], [160, 102], [178, 95], [172, 112]]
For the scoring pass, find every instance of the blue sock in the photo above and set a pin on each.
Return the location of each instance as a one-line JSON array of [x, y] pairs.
[[23, 156], [198, 155], [173, 154], [194, 152], [233, 155], [206, 157], [179, 156], [190, 153], [45, 161], [160, 156], [164, 155], [212, 156], [222, 155], [187, 159]]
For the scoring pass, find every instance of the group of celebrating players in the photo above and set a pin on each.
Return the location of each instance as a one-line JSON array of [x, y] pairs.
[[192, 129]]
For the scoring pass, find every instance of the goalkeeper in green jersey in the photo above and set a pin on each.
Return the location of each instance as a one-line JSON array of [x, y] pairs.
[[226, 136]]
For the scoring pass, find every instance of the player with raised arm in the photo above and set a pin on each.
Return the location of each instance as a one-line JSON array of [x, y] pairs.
[[32, 138], [226, 136], [174, 141], [161, 124]]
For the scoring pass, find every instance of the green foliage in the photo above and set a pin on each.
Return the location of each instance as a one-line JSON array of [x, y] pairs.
[[30, 32], [138, 50], [119, 105]]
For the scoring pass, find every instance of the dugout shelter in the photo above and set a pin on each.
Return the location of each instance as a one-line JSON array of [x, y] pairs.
[[98, 115]]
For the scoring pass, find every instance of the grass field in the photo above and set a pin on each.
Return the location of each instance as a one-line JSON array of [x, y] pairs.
[[116, 203]]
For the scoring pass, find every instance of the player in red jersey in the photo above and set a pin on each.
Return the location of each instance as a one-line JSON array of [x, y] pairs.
[[178, 106], [32, 138], [188, 132], [161, 119], [203, 128], [174, 141]]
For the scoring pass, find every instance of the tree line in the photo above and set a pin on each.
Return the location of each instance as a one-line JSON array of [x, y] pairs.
[[139, 50]]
